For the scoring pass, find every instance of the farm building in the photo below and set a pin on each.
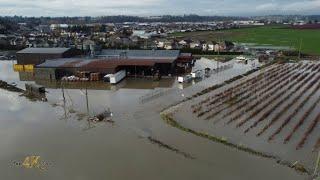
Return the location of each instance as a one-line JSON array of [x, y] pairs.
[[184, 63], [55, 69], [37, 56], [150, 61], [136, 63]]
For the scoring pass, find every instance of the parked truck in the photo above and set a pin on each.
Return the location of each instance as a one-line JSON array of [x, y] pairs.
[[115, 78], [185, 79], [196, 74]]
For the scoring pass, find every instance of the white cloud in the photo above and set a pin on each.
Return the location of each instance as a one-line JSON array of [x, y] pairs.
[[302, 6], [72, 7], [267, 7], [155, 7]]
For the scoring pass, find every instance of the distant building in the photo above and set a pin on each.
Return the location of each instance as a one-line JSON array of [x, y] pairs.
[[43, 28], [168, 45], [204, 46], [160, 44], [211, 46], [195, 44], [58, 26]]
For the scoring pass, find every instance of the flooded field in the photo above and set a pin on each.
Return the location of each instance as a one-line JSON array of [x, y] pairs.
[[274, 112], [136, 144]]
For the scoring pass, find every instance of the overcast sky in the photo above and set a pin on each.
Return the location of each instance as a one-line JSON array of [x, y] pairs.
[[156, 7]]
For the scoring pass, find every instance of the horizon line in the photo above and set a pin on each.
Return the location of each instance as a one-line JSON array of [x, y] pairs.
[[146, 16]]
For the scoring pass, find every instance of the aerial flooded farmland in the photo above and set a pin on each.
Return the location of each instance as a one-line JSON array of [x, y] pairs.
[[272, 113], [230, 106]]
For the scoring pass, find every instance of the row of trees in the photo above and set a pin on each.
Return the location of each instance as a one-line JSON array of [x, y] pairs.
[[6, 26]]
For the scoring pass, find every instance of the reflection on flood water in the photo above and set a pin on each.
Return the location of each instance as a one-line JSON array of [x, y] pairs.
[[26, 76], [128, 83]]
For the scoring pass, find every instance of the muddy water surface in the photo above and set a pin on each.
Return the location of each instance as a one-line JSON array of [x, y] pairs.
[[74, 148]]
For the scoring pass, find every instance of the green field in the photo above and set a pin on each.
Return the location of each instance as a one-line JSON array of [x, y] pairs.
[[266, 35]]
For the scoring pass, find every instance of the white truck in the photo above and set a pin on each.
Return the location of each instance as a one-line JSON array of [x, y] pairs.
[[115, 78], [240, 59], [197, 74], [187, 79]]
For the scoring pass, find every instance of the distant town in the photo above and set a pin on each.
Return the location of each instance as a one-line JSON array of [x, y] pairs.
[[126, 32]]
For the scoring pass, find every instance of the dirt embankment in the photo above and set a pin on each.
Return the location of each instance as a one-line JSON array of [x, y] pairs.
[[31, 96]]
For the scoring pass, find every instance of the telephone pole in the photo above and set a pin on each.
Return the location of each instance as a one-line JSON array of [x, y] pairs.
[[317, 165], [300, 48], [87, 100], [64, 101]]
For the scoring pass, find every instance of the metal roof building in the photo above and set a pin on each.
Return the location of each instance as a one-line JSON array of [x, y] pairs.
[[135, 62], [43, 50], [140, 54], [39, 55], [108, 62], [64, 63]]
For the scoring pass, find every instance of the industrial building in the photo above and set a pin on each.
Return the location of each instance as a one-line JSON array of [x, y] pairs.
[[35, 56], [138, 63]]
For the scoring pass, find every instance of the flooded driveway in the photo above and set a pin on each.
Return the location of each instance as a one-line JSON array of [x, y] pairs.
[[138, 145]]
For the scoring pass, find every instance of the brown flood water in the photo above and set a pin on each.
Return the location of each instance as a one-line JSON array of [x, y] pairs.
[[77, 149]]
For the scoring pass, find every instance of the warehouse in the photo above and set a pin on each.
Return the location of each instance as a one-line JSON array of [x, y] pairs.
[[138, 63], [35, 56], [139, 54], [55, 69], [173, 61], [161, 62]]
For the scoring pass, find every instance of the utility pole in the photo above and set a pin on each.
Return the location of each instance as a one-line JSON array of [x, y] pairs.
[[88, 112], [64, 101], [62, 88], [218, 53], [317, 165], [300, 48], [135, 71], [87, 100]]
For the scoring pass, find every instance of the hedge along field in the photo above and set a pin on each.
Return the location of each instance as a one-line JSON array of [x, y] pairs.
[[273, 35]]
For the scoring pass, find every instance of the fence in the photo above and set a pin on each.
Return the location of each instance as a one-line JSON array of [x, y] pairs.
[[223, 68], [154, 95]]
